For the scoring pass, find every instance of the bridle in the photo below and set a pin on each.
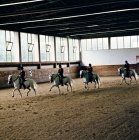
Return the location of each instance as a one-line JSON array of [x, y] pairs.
[[11, 79], [53, 78], [83, 74]]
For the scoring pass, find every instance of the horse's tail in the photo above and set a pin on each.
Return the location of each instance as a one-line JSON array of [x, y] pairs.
[[135, 74], [99, 80], [32, 83], [35, 84], [72, 81]]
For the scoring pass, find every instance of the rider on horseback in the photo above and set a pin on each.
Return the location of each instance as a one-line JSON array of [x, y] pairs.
[[60, 72], [89, 70], [22, 76], [126, 66]]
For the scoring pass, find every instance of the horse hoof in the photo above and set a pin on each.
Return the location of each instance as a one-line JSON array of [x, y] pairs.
[[12, 96]]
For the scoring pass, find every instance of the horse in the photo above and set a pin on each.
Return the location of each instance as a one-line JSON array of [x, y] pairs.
[[123, 72], [95, 78], [17, 84], [56, 79]]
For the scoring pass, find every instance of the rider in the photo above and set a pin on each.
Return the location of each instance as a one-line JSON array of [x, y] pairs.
[[89, 70], [22, 76], [126, 66], [60, 72]]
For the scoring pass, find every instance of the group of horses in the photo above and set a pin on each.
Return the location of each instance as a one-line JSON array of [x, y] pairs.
[[67, 80]]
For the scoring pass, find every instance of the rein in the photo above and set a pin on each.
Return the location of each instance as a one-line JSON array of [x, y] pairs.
[[85, 74], [15, 79], [55, 76]]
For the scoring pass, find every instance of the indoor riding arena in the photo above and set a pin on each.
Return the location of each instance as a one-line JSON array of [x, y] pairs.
[[39, 39]]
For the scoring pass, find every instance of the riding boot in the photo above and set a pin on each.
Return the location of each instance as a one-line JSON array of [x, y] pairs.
[[90, 79], [61, 83], [24, 86], [127, 73]]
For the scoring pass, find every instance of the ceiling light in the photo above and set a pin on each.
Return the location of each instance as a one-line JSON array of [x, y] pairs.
[[64, 29], [23, 2], [106, 32], [68, 17], [92, 26]]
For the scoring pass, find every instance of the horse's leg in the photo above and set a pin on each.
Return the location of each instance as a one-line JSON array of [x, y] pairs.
[[67, 86], [122, 81], [13, 92], [52, 87], [28, 91], [58, 88], [126, 82], [87, 86], [130, 79], [55, 86], [33, 86], [135, 80], [20, 93], [95, 84], [70, 87], [34, 91], [97, 81]]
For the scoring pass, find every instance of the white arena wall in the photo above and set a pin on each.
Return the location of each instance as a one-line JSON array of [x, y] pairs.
[[109, 57]]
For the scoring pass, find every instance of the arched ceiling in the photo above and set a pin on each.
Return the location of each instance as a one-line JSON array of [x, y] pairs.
[[73, 18]]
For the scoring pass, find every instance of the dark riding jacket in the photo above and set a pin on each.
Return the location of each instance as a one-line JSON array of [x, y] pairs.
[[22, 74], [126, 66], [60, 72], [89, 70]]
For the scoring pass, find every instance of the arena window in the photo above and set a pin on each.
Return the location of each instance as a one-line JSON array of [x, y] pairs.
[[134, 41], [29, 47], [94, 44], [127, 42]]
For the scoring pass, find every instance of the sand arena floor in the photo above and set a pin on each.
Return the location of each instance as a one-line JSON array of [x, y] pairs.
[[108, 113]]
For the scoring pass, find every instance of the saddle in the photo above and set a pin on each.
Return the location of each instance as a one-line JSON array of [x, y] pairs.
[[128, 72], [61, 79], [22, 83], [90, 77]]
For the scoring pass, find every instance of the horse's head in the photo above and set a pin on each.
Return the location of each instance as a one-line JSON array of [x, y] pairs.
[[81, 73], [51, 78], [10, 79], [120, 70]]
